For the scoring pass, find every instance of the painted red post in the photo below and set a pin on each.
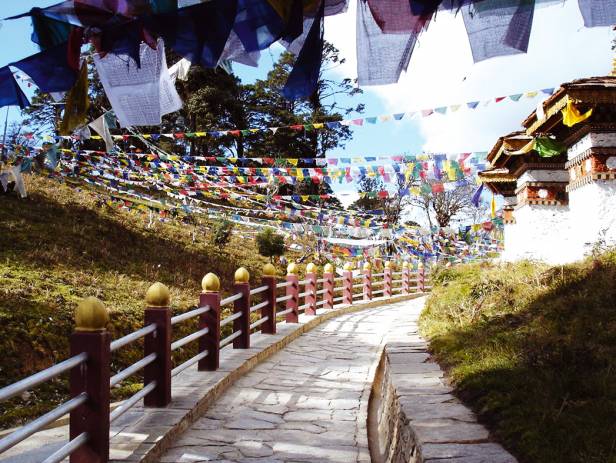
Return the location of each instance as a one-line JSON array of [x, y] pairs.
[[210, 319], [311, 288], [406, 278], [242, 306], [367, 289], [387, 278], [328, 286], [92, 417], [293, 291], [347, 284], [269, 279], [158, 312], [421, 277]]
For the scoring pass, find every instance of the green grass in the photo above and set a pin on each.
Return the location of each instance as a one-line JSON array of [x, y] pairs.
[[58, 246], [533, 350]]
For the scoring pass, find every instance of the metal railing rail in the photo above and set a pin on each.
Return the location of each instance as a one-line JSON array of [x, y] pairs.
[[131, 401], [230, 319], [188, 315], [67, 449], [258, 290], [42, 376], [131, 370], [39, 423], [230, 299], [132, 337], [190, 338]]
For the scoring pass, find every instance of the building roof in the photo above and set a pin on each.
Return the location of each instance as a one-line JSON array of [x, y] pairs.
[[591, 90], [495, 174]]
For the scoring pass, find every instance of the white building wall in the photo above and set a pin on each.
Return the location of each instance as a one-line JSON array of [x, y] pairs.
[[593, 215], [540, 233]]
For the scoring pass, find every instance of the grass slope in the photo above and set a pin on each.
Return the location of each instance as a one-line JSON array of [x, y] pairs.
[[533, 350], [58, 246]]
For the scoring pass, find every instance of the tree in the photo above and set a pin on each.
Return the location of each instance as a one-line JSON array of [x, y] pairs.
[[266, 107], [444, 206], [393, 204], [270, 243]]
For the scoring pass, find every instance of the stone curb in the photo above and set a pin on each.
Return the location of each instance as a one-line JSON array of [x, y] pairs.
[[414, 417]]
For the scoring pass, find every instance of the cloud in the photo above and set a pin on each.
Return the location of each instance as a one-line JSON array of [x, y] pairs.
[[442, 72]]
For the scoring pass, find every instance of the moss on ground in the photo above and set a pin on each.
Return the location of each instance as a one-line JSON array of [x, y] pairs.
[[533, 350], [58, 245]]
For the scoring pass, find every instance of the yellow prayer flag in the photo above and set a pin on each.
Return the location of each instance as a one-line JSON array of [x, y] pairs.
[[493, 207], [531, 94], [293, 162], [319, 125], [572, 115]]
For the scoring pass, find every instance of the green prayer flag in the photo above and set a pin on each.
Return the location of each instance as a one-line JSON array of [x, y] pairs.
[[547, 147]]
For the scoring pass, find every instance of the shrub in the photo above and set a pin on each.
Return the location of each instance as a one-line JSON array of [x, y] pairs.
[[221, 232]]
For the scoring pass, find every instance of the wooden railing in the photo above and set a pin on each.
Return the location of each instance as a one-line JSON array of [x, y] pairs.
[[91, 345]]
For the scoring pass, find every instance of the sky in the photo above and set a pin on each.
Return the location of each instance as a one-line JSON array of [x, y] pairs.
[[441, 72]]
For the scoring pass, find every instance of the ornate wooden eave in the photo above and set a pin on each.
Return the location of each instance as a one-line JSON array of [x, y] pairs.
[[590, 91]]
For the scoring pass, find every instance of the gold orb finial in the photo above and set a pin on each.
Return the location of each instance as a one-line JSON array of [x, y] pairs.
[[158, 295], [91, 315], [367, 266], [405, 265], [210, 283], [292, 269], [311, 268], [348, 266], [329, 268], [388, 264], [269, 270], [242, 275]]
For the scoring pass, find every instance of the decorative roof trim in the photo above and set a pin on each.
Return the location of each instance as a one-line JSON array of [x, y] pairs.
[[598, 150], [590, 178]]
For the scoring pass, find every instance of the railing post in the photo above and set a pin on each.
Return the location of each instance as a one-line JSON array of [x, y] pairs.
[[328, 286], [91, 377], [210, 319], [269, 279], [242, 306], [158, 342], [406, 278], [347, 284], [311, 289], [387, 278], [293, 291], [421, 277], [367, 282]]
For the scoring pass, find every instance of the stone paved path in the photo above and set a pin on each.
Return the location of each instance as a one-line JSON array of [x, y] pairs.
[[307, 403]]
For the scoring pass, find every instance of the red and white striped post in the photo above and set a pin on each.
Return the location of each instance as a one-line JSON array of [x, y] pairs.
[[311, 289], [367, 289], [242, 306], [406, 278], [269, 279], [293, 291], [328, 286], [387, 278], [210, 319], [347, 284], [92, 338], [158, 342], [421, 276]]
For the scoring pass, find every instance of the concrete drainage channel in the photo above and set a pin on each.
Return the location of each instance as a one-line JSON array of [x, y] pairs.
[[414, 418]]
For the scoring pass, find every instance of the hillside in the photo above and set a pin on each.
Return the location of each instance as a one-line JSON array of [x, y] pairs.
[[59, 245], [533, 350]]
